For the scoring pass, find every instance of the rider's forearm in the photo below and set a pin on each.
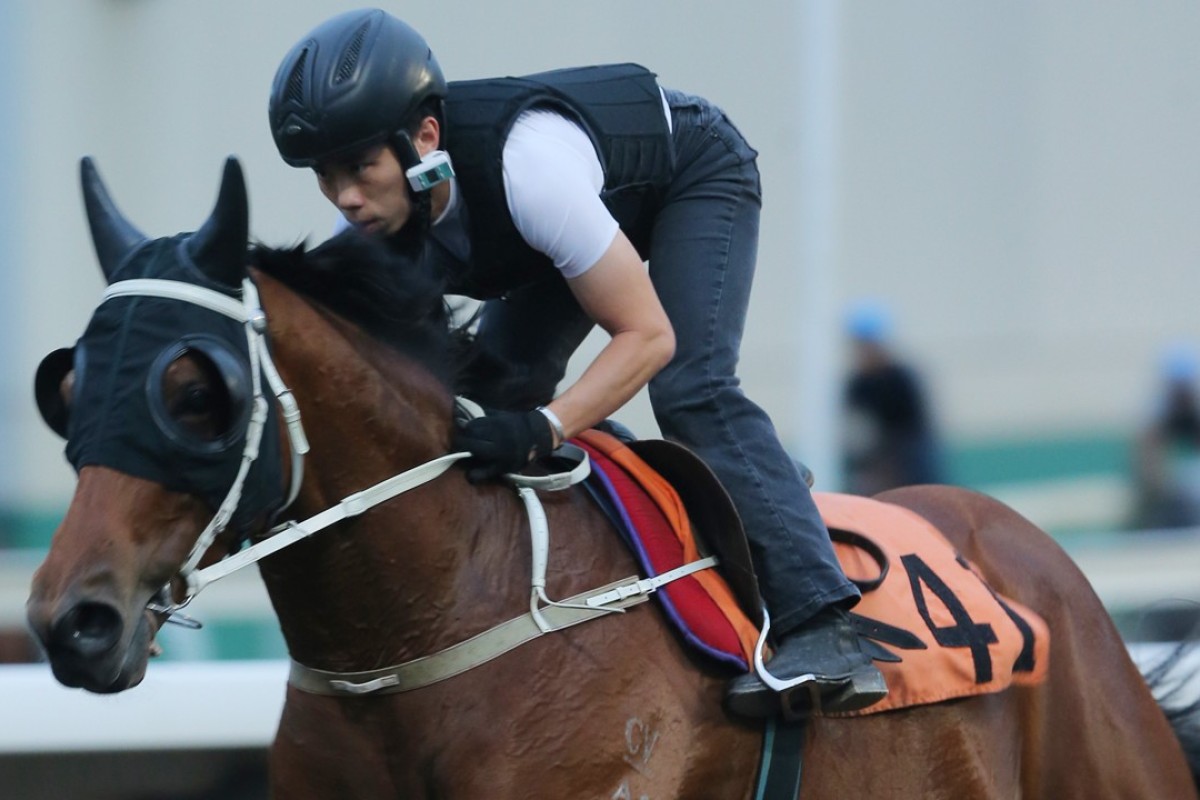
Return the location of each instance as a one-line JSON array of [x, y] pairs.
[[623, 367]]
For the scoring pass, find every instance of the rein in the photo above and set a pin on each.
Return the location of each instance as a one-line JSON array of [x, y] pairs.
[[544, 616]]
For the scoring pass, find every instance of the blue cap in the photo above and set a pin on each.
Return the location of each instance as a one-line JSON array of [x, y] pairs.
[[869, 321], [1179, 362]]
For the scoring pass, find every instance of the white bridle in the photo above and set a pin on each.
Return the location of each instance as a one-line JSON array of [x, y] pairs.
[[544, 616], [249, 312]]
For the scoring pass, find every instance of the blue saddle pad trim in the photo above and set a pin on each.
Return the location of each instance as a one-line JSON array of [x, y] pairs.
[[602, 491]]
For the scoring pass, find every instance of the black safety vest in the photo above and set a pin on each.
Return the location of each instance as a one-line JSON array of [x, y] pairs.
[[621, 109]]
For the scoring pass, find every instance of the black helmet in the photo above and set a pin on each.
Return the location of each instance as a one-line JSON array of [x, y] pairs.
[[354, 81]]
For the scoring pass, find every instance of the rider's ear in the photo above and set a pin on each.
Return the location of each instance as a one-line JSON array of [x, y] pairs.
[[428, 136]]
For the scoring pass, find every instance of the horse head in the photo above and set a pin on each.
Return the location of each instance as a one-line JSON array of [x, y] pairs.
[[155, 401]]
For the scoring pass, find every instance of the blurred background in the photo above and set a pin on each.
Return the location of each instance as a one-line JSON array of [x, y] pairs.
[[979, 264]]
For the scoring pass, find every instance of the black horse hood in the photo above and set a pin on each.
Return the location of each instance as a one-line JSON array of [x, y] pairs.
[[118, 414]]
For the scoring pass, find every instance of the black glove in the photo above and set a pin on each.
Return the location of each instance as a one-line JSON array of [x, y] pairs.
[[504, 441]]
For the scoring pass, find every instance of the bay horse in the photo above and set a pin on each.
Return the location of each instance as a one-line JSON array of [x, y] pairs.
[[181, 406]]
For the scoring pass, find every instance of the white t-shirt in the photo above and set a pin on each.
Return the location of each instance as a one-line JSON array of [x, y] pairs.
[[552, 180]]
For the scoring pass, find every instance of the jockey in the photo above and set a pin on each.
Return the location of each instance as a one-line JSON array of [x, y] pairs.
[[543, 196]]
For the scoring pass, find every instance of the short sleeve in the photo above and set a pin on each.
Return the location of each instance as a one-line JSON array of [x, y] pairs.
[[552, 180]]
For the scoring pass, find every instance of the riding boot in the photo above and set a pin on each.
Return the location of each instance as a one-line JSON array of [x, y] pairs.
[[826, 648]]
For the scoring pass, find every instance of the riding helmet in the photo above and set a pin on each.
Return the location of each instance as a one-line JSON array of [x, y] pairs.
[[356, 80]]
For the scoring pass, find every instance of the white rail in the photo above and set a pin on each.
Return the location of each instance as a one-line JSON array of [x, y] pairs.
[[220, 704], [180, 706]]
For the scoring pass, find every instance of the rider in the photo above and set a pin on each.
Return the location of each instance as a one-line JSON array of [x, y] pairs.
[[561, 185]]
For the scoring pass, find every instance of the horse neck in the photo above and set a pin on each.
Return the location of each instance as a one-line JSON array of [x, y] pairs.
[[397, 571]]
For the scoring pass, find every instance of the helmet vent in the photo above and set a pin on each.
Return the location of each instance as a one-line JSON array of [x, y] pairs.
[[350, 55], [295, 83]]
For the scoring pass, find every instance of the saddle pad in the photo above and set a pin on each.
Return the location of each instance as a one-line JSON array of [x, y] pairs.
[[954, 635], [653, 521]]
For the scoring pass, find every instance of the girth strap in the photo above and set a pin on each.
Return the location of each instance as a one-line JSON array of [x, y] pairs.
[[544, 616], [463, 656], [782, 762]]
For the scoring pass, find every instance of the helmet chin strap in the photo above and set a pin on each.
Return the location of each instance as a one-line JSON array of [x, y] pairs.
[[410, 239], [422, 174], [406, 151]]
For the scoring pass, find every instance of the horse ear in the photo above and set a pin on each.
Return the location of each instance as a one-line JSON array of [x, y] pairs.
[[218, 249], [113, 235]]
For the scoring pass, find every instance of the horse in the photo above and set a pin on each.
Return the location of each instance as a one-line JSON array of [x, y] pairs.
[[260, 381]]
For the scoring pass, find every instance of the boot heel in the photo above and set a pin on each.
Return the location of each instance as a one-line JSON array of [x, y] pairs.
[[865, 688]]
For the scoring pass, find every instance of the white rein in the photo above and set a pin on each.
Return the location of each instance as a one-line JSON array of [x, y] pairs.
[[541, 619]]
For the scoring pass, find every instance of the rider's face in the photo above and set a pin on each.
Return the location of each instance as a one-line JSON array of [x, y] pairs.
[[369, 188]]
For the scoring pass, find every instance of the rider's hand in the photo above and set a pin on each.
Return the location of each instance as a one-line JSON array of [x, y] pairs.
[[504, 441]]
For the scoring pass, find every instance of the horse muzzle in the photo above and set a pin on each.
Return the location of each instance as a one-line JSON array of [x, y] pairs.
[[93, 645]]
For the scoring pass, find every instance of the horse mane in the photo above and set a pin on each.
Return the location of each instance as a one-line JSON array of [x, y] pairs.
[[398, 299]]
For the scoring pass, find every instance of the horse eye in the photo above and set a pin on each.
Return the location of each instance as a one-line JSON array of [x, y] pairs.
[[196, 398]]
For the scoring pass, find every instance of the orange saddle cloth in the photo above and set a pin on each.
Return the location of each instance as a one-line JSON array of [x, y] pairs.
[[944, 632], [954, 636]]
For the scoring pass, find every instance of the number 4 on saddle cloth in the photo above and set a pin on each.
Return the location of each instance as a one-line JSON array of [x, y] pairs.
[[935, 626]]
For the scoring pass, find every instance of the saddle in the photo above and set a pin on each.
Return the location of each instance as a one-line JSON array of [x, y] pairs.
[[653, 493], [927, 615], [716, 522], [710, 509]]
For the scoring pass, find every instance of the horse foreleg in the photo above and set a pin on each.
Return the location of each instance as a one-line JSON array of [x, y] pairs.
[[319, 753]]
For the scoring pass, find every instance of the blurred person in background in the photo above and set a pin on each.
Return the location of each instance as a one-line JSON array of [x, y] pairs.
[[888, 433], [1166, 454]]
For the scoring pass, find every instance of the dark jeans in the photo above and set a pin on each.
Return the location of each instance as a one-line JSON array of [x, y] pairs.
[[702, 258]]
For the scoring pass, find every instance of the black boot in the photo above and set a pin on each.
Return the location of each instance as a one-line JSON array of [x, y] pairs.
[[826, 647]]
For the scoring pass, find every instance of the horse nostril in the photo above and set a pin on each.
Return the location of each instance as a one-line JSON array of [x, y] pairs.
[[89, 629]]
